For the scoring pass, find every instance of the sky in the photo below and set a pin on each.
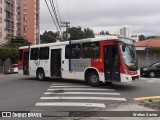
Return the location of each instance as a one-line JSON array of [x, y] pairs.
[[141, 16]]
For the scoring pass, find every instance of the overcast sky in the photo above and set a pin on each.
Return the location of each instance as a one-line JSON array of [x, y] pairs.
[[142, 16]]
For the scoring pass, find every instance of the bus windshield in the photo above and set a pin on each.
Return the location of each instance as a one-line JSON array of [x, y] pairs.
[[129, 56]]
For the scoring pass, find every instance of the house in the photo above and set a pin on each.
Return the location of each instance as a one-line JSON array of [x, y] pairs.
[[148, 51]]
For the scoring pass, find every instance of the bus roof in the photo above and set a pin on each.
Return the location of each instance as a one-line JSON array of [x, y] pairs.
[[72, 42]]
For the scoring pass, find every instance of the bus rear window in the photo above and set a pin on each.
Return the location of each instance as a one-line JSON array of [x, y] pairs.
[[20, 54]]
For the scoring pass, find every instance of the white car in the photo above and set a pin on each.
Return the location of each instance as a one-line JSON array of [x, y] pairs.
[[13, 68]]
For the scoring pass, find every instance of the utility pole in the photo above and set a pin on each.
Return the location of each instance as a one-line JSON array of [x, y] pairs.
[[67, 26]]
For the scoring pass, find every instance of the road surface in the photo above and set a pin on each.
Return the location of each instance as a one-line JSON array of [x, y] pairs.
[[57, 97]]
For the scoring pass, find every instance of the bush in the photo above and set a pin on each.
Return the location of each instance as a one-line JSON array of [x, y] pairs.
[[154, 49], [8, 53]]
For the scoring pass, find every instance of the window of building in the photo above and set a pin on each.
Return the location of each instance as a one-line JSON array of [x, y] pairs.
[[44, 53], [91, 50], [34, 53], [73, 51]]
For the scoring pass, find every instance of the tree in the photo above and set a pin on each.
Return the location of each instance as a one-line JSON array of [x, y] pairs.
[[142, 37], [48, 37], [102, 32], [17, 42], [76, 33], [107, 33], [8, 53], [88, 33], [151, 37]]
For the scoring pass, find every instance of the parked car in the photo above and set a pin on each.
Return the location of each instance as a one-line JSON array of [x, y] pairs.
[[13, 68], [152, 70]]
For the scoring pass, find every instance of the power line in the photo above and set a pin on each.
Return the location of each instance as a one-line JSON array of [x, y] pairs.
[[58, 11], [56, 4], [55, 14], [51, 15]]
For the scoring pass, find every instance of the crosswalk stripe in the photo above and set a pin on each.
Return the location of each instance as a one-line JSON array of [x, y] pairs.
[[68, 86], [86, 93], [83, 98], [100, 105], [82, 89]]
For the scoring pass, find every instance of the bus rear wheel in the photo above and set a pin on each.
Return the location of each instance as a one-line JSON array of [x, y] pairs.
[[93, 79], [40, 74]]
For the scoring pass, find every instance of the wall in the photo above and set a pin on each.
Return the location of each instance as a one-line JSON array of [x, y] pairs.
[[145, 60]]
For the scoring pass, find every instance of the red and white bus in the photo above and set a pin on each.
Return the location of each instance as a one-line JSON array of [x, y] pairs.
[[95, 60]]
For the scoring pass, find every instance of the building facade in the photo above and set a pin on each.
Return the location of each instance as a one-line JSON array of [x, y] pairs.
[[0, 23], [28, 18], [20, 18], [7, 20], [125, 32]]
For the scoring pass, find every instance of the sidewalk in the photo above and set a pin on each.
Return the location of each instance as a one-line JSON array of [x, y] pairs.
[[121, 107]]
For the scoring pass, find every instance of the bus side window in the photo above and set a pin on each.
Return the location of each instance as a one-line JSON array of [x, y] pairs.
[[44, 53], [34, 53], [20, 54], [73, 51], [91, 50]]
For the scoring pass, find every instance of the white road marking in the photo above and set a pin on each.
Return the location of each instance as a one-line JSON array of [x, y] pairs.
[[65, 84], [68, 86], [129, 82], [100, 105], [86, 93], [150, 81], [82, 98], [82, 89]]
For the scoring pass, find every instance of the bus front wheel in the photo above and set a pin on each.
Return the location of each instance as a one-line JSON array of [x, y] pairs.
[[93, 79], [40, 74]]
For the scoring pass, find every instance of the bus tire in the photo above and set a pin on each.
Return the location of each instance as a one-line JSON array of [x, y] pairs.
[[40, 75], [93, 79]]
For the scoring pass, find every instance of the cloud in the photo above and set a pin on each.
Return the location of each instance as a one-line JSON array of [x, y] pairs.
[[142, 16]]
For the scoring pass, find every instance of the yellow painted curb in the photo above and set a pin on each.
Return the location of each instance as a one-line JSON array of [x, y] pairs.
[[146, 98]]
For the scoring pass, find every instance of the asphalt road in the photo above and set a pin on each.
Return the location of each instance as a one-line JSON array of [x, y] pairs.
[[22, 93]]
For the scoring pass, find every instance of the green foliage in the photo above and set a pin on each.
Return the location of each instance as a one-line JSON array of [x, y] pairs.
[[8, 53], [107, 32], [17, 42], [142, 37], [104, 33], [76, 33], [48, 37], [88, 33], [154, 49]]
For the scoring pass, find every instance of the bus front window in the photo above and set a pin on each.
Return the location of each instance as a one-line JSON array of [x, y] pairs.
[[129, 56]]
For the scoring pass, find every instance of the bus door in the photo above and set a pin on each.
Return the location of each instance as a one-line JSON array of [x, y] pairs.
[[56, 63], [26, 63], [111, 63]]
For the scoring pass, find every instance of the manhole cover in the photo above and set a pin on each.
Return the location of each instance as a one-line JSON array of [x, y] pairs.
[[59, 91]]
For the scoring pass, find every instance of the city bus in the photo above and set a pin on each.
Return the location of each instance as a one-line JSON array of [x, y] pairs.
[[94, 60]]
